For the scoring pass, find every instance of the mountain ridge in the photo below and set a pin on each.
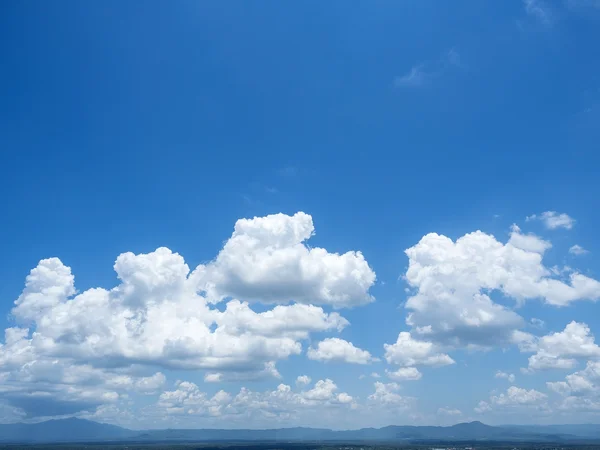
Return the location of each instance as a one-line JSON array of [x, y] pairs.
[[80, 430]]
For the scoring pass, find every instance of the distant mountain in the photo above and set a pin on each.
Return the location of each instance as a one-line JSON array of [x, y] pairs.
[[63, 430], [79, 430]]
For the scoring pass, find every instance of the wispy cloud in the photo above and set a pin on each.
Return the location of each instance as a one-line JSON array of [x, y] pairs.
[[423, 72], [288, 171], [578, 250], [580, 4], [553, 220], [539, 11]]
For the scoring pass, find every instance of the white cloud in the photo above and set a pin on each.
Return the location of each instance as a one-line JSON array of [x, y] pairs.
[[336, 349], [386, 394], [282, 403], [578, 250], [449, 411], [482, 407], [303, 380], [528, 242], [375, 375], [507, 376], [553, 220], [161, 315], [405, 374], [408, 352], [516, 396], [454, 282], [584, 382], [266, 260], [560, 350]]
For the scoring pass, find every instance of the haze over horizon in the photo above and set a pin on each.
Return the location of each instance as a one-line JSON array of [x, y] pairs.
[[317, 214]]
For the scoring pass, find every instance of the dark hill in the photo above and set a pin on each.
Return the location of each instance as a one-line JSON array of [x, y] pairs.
[[79, 430]]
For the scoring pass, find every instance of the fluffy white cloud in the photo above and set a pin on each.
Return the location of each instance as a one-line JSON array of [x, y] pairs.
[[528, 242], [386, 394], [482, 407], [281, 403], [335, 349], [303, 380], [516, 396], [508, 376], [405, 374], [583, 382], [266, 260], [577, 250], [161, 314], [454, 283], [408, 352], [562, 349]]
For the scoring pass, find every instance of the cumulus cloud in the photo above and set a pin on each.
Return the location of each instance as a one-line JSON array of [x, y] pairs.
[[303, 380], [188, 400], [578, 250], [407, 351], [386, 394], [553, 220], [583, 382], [266, 260], [161, 314], [405, 374], [482, 407], [507, 376], [454, 282], [336, 349], [562, 349], [516, 396]]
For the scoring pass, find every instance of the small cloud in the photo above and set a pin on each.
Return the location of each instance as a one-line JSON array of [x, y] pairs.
[[375, 375], [416, 77], [482, 407], [537, 323], [449, 412], [553, 220], [271, 190], [507, 376], [578, 250], [422, 73], [303, 380]]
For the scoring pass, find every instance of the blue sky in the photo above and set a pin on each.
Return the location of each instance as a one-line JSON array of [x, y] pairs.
[[128, 130]]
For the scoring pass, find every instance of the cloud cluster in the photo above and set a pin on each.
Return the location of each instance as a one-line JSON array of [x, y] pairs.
[[282, 403], [514, 397], [455, 281], [161, 314], [561, 350]]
